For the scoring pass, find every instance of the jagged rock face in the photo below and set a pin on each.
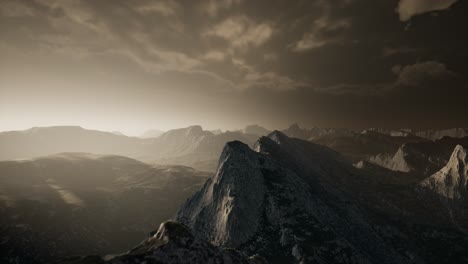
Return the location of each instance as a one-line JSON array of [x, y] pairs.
[[232, 198], [451, 181], [396, 162], [173, 243], [280, 201]]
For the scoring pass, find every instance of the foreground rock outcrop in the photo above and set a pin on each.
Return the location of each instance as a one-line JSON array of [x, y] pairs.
[[173, 243]]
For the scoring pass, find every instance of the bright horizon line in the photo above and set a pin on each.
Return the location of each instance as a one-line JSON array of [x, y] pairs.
[[138, 134], [126, 132]]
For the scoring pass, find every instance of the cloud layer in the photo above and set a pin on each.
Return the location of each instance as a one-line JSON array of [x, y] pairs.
[[409, 8], [254, 61]]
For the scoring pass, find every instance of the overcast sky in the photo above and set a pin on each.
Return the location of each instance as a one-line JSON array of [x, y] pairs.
[[135, 65]]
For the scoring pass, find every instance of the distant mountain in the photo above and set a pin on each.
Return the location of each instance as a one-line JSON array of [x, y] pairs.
[[432, 134], [80, 204], [172, 243], [256, 130], [42, 141], [194, 146], [293, 201], [425, 157], [177, 142], [191, 146], [390, 132], [152, 133], [353, 145], [438, 134], [296, 131], [361, 146], [217, 131]]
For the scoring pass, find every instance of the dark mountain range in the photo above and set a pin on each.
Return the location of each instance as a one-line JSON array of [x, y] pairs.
[[424, 157], [294, 201], [355, 146], [285, 199]]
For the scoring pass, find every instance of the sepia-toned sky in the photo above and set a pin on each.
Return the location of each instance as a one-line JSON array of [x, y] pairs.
[[132, 65]]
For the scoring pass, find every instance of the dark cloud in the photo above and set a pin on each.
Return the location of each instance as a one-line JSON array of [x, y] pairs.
[[409, 8], [339, 55], [416, 74]]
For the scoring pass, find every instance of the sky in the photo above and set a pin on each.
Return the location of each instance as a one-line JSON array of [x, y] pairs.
[[162, 64]]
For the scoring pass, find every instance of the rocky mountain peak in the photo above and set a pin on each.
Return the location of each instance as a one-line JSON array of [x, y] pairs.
[[195, 129], [278, 136], [452, 180], [263, 202], [459, 157], [231, 198], [294, 126]]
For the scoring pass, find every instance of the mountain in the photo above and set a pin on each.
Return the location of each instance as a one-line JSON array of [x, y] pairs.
[[293, 201], [191, 146], [313, 133], [447, 190], [432, 134], [390, 132], [152, 133], [256, 130], [451, 182], [196, 148], [78, 203], [425, 157], [361, 146], [216, 131], [42, 141], [438, 134], [172, 243], [178, 142]]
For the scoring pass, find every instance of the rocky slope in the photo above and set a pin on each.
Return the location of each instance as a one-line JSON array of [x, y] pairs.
[[292, 201], [451, 181], [446, 191], [173, 243]]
